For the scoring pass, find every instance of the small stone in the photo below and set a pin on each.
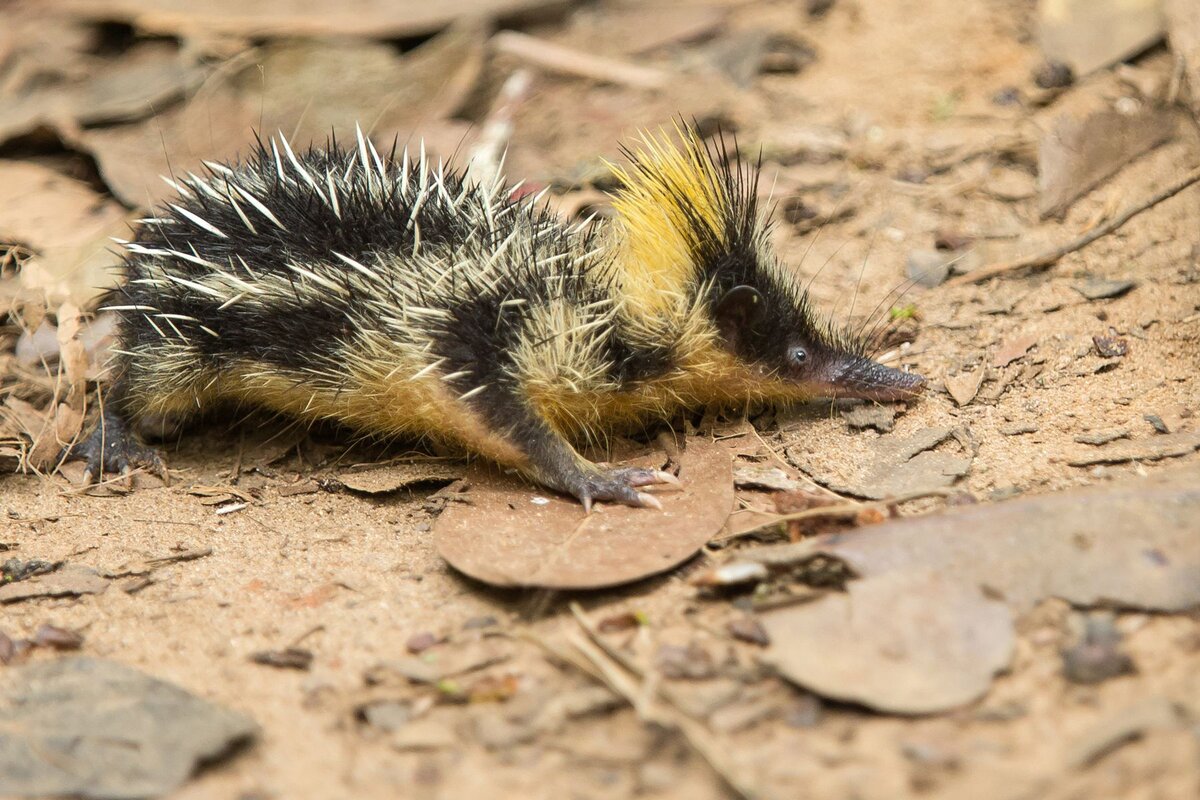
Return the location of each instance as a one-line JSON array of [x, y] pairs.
[[389, 715], [1007, 96], [1157, 422], [1097, 657], [1101, 289], [1110, 346], [1053, 75], [927, 268], [420, 642], [685, 663], [818, 8], [749, 629], [57, 638], [1018, 428]]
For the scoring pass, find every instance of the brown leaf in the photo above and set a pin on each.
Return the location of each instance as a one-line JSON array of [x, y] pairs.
[[899, 466], [70, 580], [1083, 149], [909, 643], [379, 19], [1158, 447], [965, 385], [1129, 545], [215, 125], [1012, 349], [67, 224], [147, 78], [501, 536], [315, 86], [394, 477]]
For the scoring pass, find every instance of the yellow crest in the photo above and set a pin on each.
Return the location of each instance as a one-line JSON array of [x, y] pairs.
[[673, 197]]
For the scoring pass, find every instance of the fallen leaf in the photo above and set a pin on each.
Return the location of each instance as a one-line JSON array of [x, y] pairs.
[[905, 642], [1090, 34], [771, 479], [147, 78], [501, 536], [1162, 446], [315, 87], [378, 19], [899, 466], [67, 225], [96, 729], [1012, 349], [1082, 149], [1130, 545], [1183, 31], [68, 581], [964, 386], [217, 124], [394, 477]]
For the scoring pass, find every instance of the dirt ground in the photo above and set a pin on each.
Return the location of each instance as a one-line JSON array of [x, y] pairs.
[[888, 118]]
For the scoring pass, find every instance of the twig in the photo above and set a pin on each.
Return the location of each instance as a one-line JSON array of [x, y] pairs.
[[572, 62], [846, 509], [1049, 257], [485, 161], [614, 670]]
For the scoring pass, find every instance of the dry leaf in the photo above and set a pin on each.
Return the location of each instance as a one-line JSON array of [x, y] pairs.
[[509, 533], [1130, 545], [379, 19], [965, 385], [394, 477], [908, 643], [1156, 447], [66, 581], [66, 224], [1081, 150]]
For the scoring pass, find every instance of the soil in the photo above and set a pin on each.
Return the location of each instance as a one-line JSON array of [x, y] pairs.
[[907, 89]]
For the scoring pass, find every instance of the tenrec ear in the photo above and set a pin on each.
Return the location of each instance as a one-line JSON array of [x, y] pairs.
[[736, 311]]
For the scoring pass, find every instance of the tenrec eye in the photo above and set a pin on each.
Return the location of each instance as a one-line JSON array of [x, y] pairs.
[[798, 355]]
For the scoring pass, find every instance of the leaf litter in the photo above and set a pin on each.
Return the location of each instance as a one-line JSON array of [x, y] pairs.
[[504, 535]]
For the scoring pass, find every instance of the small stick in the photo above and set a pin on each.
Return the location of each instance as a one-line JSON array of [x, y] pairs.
[[1049, 257], [487, 155], [617, 674], [844, 510], [572, 62]]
